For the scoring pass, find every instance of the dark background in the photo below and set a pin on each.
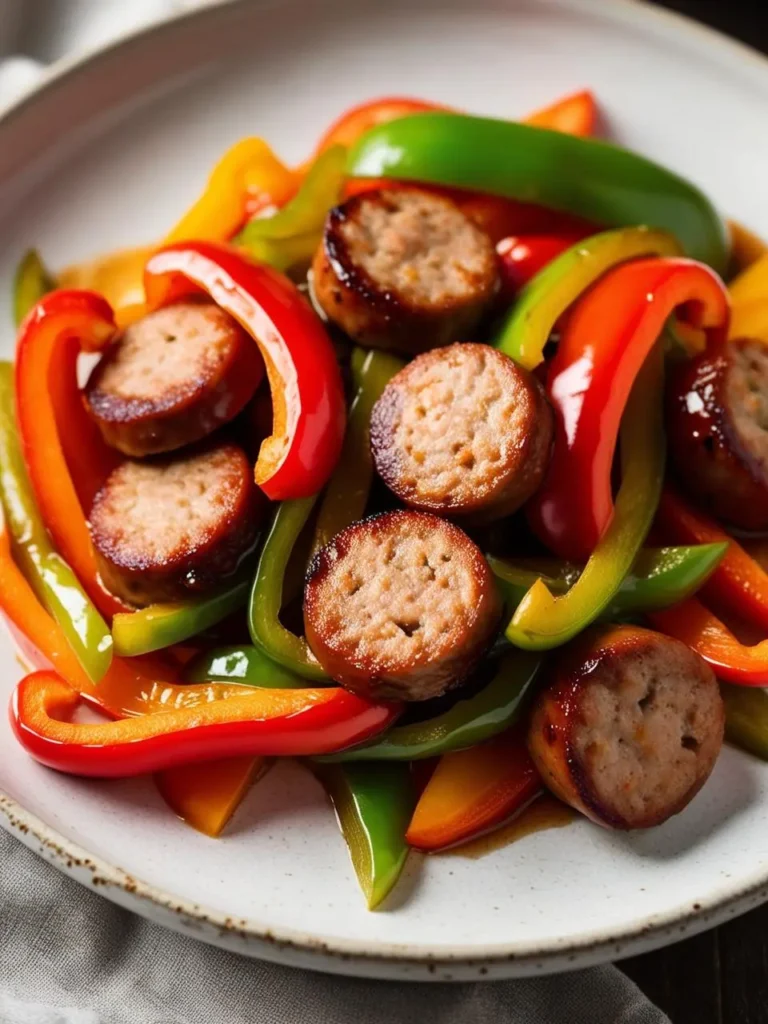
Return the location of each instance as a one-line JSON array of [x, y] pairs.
[[720, 977]]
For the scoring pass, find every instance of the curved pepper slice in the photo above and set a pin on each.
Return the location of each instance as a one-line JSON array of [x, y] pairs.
[[739, 582], [660, 577], [704, 633], [544, 300], [267, 631], [469, 721], [307, 395], [247, 665], [50, 576], [606, 339], [295, 723], [604, 183], [346, 495], [542, 621], [473, 791], [373, 805], [58, 327]]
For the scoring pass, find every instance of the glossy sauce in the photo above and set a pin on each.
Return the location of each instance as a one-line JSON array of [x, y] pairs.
[[544, 813]]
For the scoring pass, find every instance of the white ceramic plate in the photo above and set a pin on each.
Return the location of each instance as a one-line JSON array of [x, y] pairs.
[[106, 154]]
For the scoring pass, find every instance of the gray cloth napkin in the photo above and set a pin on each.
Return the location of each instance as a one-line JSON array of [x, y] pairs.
[[68, 956]]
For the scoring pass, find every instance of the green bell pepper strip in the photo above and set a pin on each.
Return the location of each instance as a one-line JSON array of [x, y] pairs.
[[161, 625], [346, 494], [469, 721], [659, 578], [374, 805], [267, 631], [31, 282], [596, 180], [247, 665], [545, 298], [543, 621], [292, 235], [746, 718], [54, 583]]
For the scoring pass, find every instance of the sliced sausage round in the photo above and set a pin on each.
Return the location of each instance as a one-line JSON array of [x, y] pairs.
[[400, 606], [462, 431], [629, 727], [172, 528], [172, 378], [717, 417], [404, 269]]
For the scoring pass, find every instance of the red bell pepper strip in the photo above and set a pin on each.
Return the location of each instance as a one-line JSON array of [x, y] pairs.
[[739, 583], [731, 660], [574, 115], [308, 404], [605, 342], [56, 329], [295, 723], [473, 791], [521, 257]]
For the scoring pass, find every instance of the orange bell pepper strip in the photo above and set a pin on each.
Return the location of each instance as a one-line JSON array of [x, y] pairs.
[[731, 660], [256, 722], [353, 123], [739, 583], [573, 115], [205, 796], [473, 791], [57, 327]]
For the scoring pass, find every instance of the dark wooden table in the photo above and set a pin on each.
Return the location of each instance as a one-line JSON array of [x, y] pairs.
[[720, 977]]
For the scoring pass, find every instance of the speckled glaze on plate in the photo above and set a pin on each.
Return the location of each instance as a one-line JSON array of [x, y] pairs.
[[106, 153]]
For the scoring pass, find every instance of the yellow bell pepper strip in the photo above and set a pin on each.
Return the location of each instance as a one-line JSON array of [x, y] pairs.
[[660, 577], [543, 621], [31, 283], [373, 805], [746, 247], [267, 723], [267, 631], [543, 300], [473, 791], [51, 578], [346, 495], [205, 796], [746, 718], [290, 237], [117, 276], [604, 183], [162, 625], [491, 711], [235, 664], [751, 285]]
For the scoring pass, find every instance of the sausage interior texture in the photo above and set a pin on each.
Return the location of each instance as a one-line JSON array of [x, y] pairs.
[[172, 378], [404, 269], [717, 415], [172, 528], [400, 606], [629, 727], [462, 431]]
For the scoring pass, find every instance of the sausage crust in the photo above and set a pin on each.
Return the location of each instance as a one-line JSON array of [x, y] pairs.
[[629, 727], [717, 414], [400, 606], [169, 529], [172, 378], [462, 431], [404, 269]]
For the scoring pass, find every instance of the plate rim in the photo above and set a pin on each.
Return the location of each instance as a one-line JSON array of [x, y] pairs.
[[373, 958]]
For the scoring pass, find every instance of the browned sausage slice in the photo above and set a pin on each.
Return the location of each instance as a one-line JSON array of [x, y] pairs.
[[400, 606], [169, 529], [172, 378], [404, 269], [462, 431], [629, 727], [717, 414]]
